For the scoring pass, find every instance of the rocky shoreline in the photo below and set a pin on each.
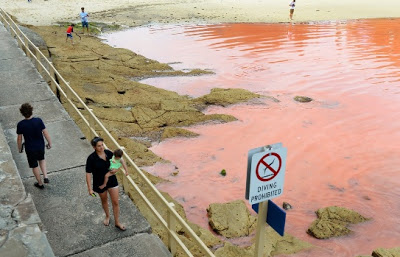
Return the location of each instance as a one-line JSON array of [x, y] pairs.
[[137, 114]]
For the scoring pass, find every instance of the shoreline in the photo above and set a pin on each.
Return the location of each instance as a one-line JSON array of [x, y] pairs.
[[140, 12]]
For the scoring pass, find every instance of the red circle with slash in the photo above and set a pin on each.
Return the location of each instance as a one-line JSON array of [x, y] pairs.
[[268, 166]]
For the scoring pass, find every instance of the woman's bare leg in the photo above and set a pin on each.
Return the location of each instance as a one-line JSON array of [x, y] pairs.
[[115, 203], [104, 203]]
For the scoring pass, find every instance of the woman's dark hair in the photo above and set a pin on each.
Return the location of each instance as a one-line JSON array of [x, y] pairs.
[[26, 110], [118, 153], [95, 140]]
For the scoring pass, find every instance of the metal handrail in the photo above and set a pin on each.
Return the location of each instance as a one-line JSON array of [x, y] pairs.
[[66, 96]]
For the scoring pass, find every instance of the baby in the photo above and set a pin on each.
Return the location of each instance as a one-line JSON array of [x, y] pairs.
[[115, 163]]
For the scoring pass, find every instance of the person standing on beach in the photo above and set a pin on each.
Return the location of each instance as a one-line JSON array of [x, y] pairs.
[[70, 29], [84, 19], [97, 166], [32, 129], [292, 5]]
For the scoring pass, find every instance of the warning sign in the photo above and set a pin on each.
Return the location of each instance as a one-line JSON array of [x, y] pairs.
[[266, 173], [268, 166]]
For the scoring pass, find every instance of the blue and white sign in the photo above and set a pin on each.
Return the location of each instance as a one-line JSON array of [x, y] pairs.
[[266, 173], [276, 217]]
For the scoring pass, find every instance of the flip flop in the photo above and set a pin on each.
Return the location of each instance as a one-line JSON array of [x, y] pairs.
[[121, 228]]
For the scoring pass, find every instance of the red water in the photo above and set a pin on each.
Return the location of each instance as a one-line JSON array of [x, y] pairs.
[[343, 148]]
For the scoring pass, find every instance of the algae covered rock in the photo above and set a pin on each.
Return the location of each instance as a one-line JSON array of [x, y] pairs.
[[275, 245], [224, 97], [333, 221], [176, 132], [302, 99], [382, 252], [231, 219], [230, 250]]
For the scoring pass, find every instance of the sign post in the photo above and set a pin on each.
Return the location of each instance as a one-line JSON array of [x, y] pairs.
[[260, 232], [265, 176]]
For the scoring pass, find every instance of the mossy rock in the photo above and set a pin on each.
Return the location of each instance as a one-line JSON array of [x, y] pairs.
[[170, 132], [225, 97], [302, 99], [333, 222], [231, 219], [382, 252]]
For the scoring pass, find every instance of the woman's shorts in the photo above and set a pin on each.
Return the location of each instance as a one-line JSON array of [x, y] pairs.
[[112, 182], [34, 157]]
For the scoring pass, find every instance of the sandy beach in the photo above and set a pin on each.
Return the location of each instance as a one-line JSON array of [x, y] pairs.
[[139, 12]]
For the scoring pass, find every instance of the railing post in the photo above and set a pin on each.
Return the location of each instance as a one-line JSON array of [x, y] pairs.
[[68, 102], [19, 40], [52, 78], [171, 226], [38, 66], [27, 47], [11, 30]]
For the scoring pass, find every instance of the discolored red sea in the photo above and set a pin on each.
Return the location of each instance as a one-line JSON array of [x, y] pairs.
[[343, 147]]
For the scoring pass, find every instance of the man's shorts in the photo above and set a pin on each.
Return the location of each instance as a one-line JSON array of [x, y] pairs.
[[34, 157], [85, 24], [69, 35]]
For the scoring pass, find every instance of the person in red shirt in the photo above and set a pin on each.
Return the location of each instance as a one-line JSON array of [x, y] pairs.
[[70, 29]]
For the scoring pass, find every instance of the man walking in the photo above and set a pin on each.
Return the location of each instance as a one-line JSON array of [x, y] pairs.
[[32, 129], [84, 19]]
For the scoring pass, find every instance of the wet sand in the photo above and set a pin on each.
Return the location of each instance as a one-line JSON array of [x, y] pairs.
[[341, 148]]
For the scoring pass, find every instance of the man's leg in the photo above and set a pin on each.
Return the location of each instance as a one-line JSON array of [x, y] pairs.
[[104, 203], [37, 175], [42, 165]]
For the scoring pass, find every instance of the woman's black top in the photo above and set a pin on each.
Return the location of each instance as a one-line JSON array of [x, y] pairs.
[[99, 167]]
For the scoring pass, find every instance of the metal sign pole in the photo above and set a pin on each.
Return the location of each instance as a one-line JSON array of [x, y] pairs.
[[260, 233]]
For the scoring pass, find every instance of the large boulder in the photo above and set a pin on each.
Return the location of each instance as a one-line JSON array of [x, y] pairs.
[[224, 97], [231, 219], [333, 222], [274, 245], [382, 252]]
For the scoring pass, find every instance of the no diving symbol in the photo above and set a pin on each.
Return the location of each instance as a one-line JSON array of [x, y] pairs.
[[268, 166]]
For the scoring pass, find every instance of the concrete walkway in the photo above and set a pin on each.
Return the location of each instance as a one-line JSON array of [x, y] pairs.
[[69, 217]]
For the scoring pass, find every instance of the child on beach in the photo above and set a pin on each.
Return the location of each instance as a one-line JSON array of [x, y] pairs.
[[115, 163], [70, 29]]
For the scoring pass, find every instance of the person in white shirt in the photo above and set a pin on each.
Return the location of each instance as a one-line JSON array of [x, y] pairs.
[[84, 19], [292, 5]]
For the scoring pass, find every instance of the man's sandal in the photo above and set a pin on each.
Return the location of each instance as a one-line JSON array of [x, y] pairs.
[[38, 186]]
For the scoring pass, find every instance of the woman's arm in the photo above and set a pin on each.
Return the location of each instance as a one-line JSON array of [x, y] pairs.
[[88, 178]]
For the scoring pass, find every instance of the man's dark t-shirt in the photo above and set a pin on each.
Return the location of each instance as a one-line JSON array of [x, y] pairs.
[[99, 167], [32, 130]]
